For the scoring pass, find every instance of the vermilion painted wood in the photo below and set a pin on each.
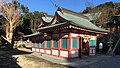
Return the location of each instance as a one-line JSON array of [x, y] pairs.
[[69, 45]]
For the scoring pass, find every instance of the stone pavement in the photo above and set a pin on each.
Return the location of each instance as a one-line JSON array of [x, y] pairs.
[[106, 62], [98, 61]]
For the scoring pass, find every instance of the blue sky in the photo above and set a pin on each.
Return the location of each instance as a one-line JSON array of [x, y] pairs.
[[47, 6]]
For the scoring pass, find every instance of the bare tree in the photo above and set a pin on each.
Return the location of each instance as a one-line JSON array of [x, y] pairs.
[[89, 4], [12, 13]]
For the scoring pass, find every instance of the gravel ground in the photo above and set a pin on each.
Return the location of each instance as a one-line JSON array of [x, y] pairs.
[[22, 58]]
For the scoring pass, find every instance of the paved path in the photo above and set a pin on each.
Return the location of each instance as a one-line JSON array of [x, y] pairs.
[[25, 60], [101, 61], [106, 62]]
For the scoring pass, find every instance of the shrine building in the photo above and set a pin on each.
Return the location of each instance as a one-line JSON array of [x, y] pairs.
[[67, 34]]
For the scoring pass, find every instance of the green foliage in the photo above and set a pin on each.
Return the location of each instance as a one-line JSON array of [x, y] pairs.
[[107, 10], [2, 21], [34, 30], [102, 6], [25, 9], [87, 10], [21, 46], [107, 4], [31, 20]]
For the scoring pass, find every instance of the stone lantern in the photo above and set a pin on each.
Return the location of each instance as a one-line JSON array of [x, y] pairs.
[[110, 47]]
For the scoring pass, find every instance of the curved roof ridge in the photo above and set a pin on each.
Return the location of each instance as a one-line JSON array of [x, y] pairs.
[[47, 19], [74, 13]]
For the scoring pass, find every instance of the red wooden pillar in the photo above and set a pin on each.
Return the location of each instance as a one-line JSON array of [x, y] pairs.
[[45, 43], [35, 44], [69, 46], [39, 45], [51, 44], [95, 44], [88, 47], [80, 47], [59, 44]]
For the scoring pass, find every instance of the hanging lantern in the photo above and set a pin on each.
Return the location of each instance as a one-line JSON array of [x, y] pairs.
[[86, 38]]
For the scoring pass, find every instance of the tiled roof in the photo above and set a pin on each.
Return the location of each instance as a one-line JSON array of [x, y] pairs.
[[74, 19], [52, 26], [47, 19], [80, 21], [74, 13]]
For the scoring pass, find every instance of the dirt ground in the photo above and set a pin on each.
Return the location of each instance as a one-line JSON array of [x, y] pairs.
[[22, 58]]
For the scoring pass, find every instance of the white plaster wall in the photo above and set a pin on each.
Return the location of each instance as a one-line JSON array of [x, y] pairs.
[[75, 53], [64, 53], [42, 50], [48, 51], [33, 49], [37, 50], [54, 52]]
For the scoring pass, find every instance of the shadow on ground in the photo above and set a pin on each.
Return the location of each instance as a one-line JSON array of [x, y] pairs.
[[6, 59]]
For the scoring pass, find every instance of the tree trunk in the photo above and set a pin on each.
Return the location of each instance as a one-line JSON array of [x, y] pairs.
[[9, 33]]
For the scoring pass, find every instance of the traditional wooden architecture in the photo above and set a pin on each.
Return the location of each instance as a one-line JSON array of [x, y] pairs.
[[68, 34]]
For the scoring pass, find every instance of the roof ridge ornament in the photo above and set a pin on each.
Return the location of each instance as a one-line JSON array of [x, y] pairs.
[[60, 9], [44, 15]]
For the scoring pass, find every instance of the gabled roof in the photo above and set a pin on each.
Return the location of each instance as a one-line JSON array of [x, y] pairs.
[[81, 22], [74, 19], [53, 26], [74, 13], [47, 19]]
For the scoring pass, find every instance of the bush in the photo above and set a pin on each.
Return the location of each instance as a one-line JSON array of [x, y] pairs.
[[21, 46]]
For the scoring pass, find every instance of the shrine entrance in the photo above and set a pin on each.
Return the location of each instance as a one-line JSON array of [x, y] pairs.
[[83, 47]]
